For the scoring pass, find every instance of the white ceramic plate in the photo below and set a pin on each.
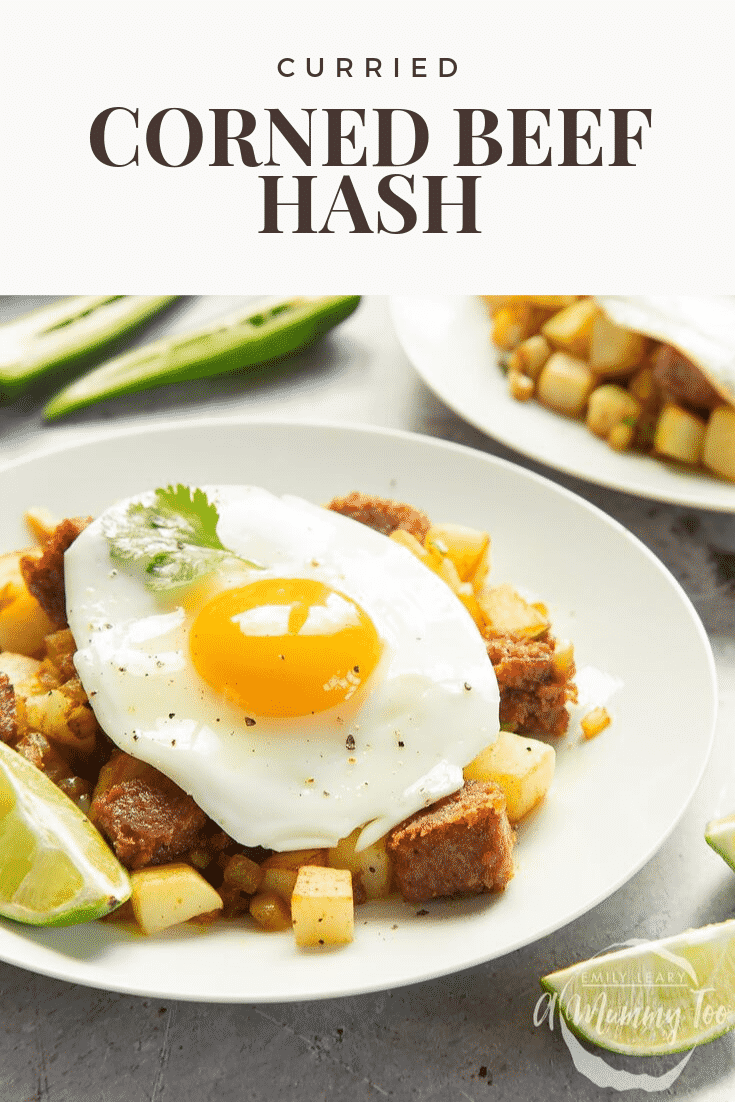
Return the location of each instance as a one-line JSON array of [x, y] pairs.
[[626, 614], [447, 339]]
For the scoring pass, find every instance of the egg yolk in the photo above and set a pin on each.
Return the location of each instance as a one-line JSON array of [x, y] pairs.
[[284, 646]]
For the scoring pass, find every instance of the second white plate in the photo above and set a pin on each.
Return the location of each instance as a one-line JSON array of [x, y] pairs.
[[447, 339]]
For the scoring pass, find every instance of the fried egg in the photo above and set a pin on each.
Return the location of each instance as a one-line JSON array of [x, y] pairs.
[[336, 683]]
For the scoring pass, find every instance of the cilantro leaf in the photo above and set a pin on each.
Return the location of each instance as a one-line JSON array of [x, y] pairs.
[[174, 539]]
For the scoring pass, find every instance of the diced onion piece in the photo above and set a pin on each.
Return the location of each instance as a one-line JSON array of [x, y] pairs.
[[718, 452], [595, 722], [565, 384], [270, 911], [464, 546], [679, 434]]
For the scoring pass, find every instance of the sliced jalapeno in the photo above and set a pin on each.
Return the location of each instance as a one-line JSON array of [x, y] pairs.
[[73, 331], [244, 339]]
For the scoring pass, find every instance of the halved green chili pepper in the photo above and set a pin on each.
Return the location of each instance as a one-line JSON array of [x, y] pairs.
[[71, 332], [240, 340]]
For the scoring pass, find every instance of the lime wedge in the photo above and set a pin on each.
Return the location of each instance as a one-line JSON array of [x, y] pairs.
[[55, 868], [653, 997], [720, 834]]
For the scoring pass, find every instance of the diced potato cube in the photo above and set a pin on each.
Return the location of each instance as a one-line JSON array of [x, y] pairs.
[[322, 908], [18, 667], [679, 434], [530, 356], [565, 384], [371, 865], [614, 350], [513, 323], [718, 452], [507, 613], [165, 895], [464, 546], [595, 722], [270, 911], [23, 623], [479, 575], [608, 406], [571, 328], [522, 767]]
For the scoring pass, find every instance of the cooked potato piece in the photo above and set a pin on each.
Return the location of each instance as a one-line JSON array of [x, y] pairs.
[[522, 767], [571, 329], [23, 623], [507, 613], [565, 384], [165, 895], [529, 357], [513, 323], [51, 712], [322, 908], [718, 452], [464, 546], [18, 667], [371, 865], [615, 351], [608, 406], [679, 434], [563, 659]]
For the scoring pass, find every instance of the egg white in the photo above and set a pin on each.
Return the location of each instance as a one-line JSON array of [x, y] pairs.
[[429, 707]]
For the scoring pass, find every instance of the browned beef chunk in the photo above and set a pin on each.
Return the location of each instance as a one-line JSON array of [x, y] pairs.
[[382, 514], [44, 574], [681, 381], [533, 695], [147, 818], [461, 845]]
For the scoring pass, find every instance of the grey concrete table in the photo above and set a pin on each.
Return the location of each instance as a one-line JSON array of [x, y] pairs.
[[468, 1036]]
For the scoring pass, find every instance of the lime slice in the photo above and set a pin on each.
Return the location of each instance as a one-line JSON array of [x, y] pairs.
[[55, 868], [720, 834], [653, 997]]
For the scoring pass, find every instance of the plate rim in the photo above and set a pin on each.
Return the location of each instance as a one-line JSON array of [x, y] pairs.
[[154, 427]]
